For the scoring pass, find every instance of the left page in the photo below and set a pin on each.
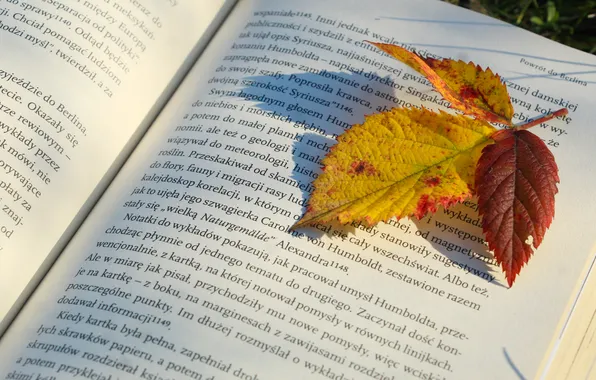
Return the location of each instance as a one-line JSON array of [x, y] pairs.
[[78, 80]]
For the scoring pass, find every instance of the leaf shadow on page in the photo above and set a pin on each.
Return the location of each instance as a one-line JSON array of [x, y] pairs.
[[457, 234]]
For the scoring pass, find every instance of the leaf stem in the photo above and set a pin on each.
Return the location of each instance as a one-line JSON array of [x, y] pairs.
[[542, 119]]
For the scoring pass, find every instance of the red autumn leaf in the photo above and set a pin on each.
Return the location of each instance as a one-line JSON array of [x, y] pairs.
[[516, 185]]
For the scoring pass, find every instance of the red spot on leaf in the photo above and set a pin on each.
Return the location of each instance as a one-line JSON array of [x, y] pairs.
[[362, 167], [432, 181], [425, 204], [467, 92], [428, 204], [447, 202]]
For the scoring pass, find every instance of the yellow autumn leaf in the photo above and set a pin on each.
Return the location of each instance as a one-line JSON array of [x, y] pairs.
[[403, 162], [469, 88]]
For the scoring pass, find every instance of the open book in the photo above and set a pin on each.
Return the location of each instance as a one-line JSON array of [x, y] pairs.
[[154, 155]]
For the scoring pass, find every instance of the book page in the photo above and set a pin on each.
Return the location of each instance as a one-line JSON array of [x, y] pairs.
[[77, 80], [187, 267]]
